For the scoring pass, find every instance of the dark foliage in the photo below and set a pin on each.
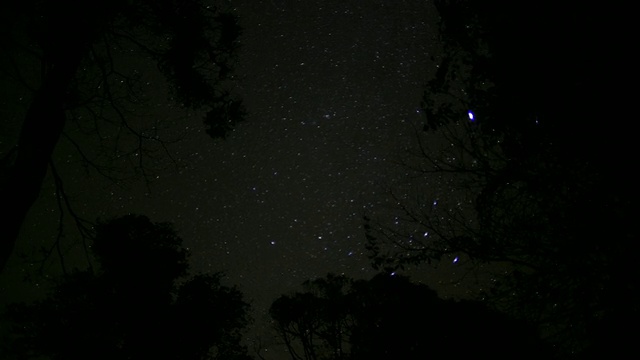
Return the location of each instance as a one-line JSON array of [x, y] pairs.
[[388, 317], [138, 305], [538, 171]]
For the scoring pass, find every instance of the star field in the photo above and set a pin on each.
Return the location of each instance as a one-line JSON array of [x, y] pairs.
[[331, 88], [328, 86]]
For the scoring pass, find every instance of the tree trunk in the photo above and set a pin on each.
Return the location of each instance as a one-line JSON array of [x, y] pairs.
[[21, 182]]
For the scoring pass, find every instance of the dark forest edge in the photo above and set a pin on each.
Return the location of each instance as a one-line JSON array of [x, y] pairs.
[[140, 302], [389, 317]]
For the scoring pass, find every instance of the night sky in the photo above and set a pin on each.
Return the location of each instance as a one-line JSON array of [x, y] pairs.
[[331, 89]]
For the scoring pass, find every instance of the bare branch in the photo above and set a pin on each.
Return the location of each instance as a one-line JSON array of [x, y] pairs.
[[85, 227]]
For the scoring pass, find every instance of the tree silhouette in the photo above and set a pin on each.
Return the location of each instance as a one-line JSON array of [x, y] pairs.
[[139, 304], [522, 154], [388, 317], [74, 59], [314, 323]]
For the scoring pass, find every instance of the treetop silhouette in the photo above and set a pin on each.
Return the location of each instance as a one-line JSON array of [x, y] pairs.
[[390, 317], [138, 303]]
